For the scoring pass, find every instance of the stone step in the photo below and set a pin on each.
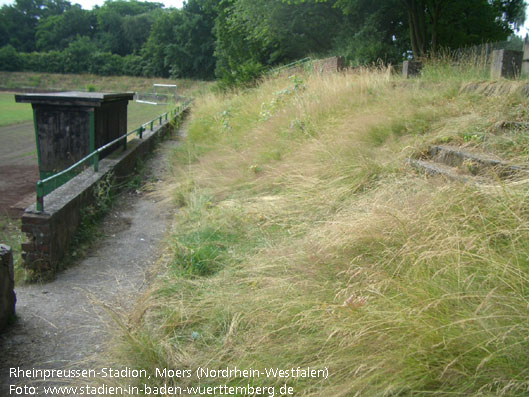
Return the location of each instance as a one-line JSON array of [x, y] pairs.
[[475, 163], [433, 168], [511, 125]]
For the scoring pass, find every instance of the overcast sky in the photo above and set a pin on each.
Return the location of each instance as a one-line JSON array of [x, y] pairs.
[[89, 4]]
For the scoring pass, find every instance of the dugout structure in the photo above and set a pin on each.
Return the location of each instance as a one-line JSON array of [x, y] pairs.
[[71, 125]]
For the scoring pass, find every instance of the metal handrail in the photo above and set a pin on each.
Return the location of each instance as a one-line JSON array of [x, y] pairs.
[[290, 65], [48, 185]]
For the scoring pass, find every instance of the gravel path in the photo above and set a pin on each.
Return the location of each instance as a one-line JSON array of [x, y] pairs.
[[63, 322]]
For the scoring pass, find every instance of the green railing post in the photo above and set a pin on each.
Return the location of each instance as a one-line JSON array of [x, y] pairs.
[[160, 120], [166, 114], [96, 162], [40, 196], [152, 125]]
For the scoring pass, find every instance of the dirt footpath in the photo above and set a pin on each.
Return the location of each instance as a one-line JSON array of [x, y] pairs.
[[63, 322]]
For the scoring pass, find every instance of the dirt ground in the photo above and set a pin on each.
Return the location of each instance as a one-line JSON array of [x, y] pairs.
[[18, 168], [64, 323]]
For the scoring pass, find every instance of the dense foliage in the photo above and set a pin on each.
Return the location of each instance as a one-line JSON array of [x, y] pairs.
[[238, 39]]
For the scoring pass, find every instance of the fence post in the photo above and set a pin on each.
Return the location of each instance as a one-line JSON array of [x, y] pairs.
[[40, 196], [152, 125], [525, 60]]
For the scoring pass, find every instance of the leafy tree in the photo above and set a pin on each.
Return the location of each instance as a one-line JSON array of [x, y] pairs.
[[19, 21], [374, 29], [119, 26], [56, 32], [181, 42], [79, 55], [9, 59], [450, 23], [253, 34]]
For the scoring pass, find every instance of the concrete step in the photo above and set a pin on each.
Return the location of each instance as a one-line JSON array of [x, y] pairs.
[[512, 125], [477, 164], [433, 168]]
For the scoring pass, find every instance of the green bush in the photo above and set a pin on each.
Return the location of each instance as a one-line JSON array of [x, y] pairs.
[[9, 59], [244, 75]]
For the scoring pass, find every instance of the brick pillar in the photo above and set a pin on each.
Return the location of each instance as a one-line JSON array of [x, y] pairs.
[[37, 251], [7, 286]]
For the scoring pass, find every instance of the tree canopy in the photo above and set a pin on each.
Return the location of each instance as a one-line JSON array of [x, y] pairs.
[[237, 39]]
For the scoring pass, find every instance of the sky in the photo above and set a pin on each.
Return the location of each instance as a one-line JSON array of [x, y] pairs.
[[89, 4]]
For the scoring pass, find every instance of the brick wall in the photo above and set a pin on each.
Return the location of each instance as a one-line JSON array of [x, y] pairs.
[[329, 65]]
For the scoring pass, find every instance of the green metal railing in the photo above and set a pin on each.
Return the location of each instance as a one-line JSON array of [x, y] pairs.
[[291, 65], [48, 185]]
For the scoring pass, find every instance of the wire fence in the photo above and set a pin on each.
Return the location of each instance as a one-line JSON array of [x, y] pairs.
[[48, 185]]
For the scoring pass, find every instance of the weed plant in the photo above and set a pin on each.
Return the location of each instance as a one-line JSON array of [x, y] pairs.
[[302, 239], [11, 235]]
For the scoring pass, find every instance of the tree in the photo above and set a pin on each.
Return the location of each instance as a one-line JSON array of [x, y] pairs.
[[19, 21], [435, 23], [116, 19], [254, 34], [181, 42], [9, 59], [56, 32], [458, 23]]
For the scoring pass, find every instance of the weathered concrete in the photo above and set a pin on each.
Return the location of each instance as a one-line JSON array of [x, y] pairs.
[[65, 323], [506, 63], [329, 65], [70, 125], [7, 286], [50, 232], [411, 68], [525, 60], [462, 165]]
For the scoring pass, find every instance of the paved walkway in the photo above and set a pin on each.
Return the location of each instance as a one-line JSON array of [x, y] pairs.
[[64, 322]]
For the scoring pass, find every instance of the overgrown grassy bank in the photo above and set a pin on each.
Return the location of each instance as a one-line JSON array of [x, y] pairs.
[[303, 239]]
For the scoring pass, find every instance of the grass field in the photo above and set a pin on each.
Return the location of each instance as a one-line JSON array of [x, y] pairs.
[[12, 112], [302, 239]]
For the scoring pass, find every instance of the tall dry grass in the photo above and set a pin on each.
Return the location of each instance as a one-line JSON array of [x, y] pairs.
[[303, 239]]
